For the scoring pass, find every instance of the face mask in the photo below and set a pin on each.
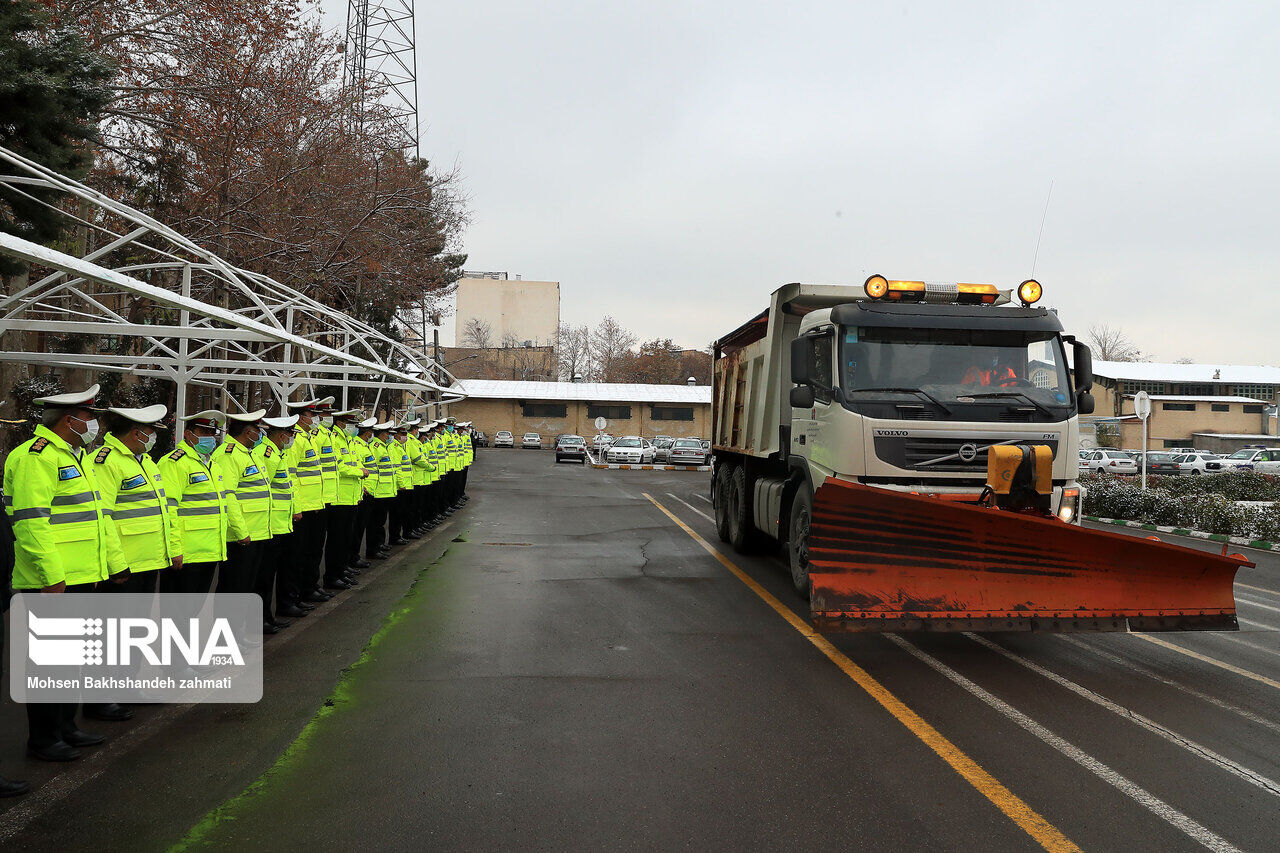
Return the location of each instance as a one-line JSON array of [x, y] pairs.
[[326, 421], [261, 438], [149, 443], [90, 430], [351, 430], [206, 444], [288, 442]]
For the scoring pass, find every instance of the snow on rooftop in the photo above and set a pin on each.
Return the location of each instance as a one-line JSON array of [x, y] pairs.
[[1154, 371], [591, 392], [1196, 398]]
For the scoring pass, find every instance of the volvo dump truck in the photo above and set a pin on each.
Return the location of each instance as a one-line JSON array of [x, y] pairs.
[[911, 446]]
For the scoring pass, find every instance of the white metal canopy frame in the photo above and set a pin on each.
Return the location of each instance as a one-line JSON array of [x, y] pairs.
[[186, 314]]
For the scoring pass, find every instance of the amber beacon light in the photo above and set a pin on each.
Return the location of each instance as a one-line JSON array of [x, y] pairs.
[[876, 286], [1030, 291]]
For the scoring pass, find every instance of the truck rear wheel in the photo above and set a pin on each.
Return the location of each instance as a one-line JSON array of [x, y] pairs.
[[798, 538], [721, 491], [742, 533]]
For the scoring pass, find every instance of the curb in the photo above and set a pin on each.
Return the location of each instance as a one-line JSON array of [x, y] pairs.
[[617, 466], [1260, 544]]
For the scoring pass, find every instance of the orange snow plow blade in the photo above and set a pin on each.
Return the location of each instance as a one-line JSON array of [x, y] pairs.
[[881, 560]]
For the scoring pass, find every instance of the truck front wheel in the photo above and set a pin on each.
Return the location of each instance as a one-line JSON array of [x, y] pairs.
[[798, 538], [719, 495]]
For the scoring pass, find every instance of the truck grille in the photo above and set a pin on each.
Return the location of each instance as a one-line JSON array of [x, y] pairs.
[[912, 452]]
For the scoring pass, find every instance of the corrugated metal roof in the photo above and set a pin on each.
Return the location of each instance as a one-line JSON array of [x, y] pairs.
[[590, 392], [1194, 398], [1235, 435], [1153, 371]]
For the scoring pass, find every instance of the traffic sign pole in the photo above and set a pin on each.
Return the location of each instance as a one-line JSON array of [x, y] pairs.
[[1142, 408]]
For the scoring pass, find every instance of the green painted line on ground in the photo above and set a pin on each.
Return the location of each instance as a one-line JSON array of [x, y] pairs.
[[339, 698], [1259, 544]]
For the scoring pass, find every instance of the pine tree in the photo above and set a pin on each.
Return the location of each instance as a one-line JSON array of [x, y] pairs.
[[53, 89]]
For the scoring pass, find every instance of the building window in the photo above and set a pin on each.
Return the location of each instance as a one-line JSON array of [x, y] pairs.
[[671, 413], [1221, 407], [544, 410], [1257, 392], [1177, 444], [1194, 390], [612, 413], [1178, 407], [1132, 387], [1253, 408]]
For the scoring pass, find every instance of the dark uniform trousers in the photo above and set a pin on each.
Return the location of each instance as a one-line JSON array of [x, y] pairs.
[[360, 524], [239, 572], [144, 583], [310, 535], [399, 512], [192, 577], [376, 533], [47, 722], [337, 549], [274, 573]]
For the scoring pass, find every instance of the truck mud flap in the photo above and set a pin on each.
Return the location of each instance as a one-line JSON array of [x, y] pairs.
[[881, 560]]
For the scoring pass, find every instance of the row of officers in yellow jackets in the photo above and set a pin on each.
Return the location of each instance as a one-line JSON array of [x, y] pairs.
[[290, 507]]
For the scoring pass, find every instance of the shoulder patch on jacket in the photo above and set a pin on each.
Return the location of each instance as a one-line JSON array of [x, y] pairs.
[[68, 472], [177, 454], [38, 445], [134, 482], [231, 447], [199, 477], [102, 455], [266, 452]]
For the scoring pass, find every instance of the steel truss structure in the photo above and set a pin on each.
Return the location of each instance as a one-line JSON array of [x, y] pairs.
[[381, 60], [174, 310]]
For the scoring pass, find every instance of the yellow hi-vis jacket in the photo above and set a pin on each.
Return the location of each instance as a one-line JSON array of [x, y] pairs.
[[60, 527], [322, 440], [404, 465], [133, 493], [304, 465], [350, 477], [362, 454], [455, 451], [196, 494], [422, 466], [387, 467], [248, 496], [275, 469], [468, 451]]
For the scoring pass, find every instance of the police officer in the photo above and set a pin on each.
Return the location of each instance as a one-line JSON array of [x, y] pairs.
[[278, 550], [437, 454], [400, 509], [340, 515], [422, 468], [305, 463], [64, 540], [248, 502], [195, 492], [384, 492], [8, 787], [429, 477], [362, 451], [133, 492]]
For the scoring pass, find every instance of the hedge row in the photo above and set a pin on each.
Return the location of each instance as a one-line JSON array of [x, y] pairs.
[[1211, 508]]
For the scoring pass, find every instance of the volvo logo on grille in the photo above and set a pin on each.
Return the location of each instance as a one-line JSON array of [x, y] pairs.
[[967, 452]]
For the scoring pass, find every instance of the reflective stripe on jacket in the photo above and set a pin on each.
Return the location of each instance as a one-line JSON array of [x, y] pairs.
[[422, 466], [248, 495], [275, 468], [304, 465], [322, 440], [195, 494], [386, 487], [60, 527], [133, 492], [350, 477]]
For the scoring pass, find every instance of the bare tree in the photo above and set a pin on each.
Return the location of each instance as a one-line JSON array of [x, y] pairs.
[[610, 346], [573, 351], [476, 333], [1110, 343]]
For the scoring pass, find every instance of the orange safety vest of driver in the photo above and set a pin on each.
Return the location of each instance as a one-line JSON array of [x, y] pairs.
[[1001, 376]]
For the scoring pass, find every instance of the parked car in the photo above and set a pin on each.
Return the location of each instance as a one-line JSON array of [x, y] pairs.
[[706, 445], [687, 451], [662, 448], [571, 447], [1160, 463], [482, 440], [531, 441], [601, 441], [630, 449], [1194, 464], [1109, 462], [1244, 459], [502, 438]]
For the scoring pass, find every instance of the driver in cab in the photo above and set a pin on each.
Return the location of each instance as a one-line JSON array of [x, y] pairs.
[[990, 371]]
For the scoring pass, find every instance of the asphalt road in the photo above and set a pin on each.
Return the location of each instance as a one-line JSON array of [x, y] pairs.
[[568, 666]]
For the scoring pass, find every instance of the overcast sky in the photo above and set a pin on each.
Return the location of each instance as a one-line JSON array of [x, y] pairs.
[[672, 163]]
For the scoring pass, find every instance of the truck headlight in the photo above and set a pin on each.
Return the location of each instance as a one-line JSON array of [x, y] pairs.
[[1069, 506]]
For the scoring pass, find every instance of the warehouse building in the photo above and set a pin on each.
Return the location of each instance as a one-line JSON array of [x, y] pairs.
[[553, 408], [1206, 406]]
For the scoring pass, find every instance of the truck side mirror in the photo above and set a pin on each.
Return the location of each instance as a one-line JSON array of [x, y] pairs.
[[1083, 358], [800, 362], [802, 397], [1084, 403]]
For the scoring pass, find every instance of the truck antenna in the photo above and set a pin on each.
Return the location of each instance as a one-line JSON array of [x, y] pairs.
[[1043, 216]]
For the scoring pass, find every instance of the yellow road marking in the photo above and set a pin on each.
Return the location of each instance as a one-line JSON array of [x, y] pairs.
[[1261, 679], [1046, 834]]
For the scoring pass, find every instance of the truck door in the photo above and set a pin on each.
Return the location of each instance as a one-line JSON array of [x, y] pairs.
[[808, 427]]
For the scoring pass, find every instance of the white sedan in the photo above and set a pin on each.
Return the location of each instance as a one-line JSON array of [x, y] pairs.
[[687, 451], [601, 441], [631, 449], [531, 441], [502, 438], [1109, 462], [1193, 464]]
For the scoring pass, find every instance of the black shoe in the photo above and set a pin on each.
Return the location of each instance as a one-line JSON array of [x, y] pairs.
[[360, 563], [305, 606], [349, 580], [412, 535], [77, 738], [292, 611], [354, 571], [110, 712], [12, 787], [280, 623], [336, 584], [270, 628], [57, 751], [315, 596], [400, 541]]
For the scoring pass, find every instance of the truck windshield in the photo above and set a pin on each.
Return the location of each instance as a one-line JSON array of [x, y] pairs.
[[966, 366]]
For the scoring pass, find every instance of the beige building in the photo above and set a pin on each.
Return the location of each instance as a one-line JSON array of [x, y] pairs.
[[515, 312], [553, 408], [1191, 404]]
